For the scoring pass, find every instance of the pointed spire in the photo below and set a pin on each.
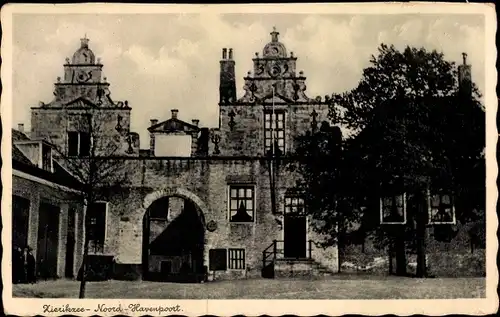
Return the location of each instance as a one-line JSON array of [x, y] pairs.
[[274, 35], [85, 41]]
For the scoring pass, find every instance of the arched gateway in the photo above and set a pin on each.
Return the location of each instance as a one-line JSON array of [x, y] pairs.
[[173, 247]]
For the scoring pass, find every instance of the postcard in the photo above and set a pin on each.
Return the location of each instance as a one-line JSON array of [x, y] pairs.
[[249, 159]]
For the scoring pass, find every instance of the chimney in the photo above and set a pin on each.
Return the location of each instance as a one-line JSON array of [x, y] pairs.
[[20, 127], [174, 113], [154, 121], [464, 78], [195, 122], [227, 84]]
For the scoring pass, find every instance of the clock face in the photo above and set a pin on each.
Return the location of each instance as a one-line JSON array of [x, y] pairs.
[[83, 76], [274, 69]]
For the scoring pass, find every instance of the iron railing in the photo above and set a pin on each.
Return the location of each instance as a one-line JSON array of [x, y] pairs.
[[275, 251]]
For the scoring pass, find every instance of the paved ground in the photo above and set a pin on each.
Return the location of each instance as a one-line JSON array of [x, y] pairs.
[[337, 287]]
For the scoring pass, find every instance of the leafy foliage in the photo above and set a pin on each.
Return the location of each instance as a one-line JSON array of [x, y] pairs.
[[413, 129]]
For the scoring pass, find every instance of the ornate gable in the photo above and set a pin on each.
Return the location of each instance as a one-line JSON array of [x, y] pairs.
[[80, 102], [275, 70], [173, 125]]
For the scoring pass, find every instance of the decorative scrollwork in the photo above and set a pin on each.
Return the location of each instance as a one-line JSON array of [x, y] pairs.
[[231, 119], [215, 141], [130, 149], [119, 123], [314, 122]]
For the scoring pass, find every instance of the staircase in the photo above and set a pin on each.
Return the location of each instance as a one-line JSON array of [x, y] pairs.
[[275, 265]]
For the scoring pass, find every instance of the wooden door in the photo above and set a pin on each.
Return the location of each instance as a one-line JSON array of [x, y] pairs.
[[48, 240], [70, 244], [295, 236]]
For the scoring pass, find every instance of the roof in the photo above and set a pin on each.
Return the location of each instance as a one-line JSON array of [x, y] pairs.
[[19, 136], [23, 164]]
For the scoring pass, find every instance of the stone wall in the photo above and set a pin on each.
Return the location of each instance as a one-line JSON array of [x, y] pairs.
[[53, 125], [247, 135], [206, 183]]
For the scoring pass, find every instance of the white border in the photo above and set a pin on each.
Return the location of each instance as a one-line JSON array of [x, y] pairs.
[[429, 210], [273, 307], [382, 212], [228, 195]]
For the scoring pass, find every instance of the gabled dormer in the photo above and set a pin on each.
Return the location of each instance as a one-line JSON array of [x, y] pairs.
[[173, 137], [38, 152]]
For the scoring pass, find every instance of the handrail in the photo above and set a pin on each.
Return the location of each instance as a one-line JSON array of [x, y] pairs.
[[269, 255]]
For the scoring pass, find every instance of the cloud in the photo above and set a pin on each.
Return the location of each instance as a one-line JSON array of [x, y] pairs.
[[159, 62]]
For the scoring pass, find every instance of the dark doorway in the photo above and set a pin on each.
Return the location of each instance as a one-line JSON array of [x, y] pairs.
[[295, 236], [70, 244], [48, 236], [20, 221], [173, 244]]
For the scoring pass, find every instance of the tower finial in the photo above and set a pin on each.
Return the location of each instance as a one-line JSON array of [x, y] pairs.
[[85, 41], [464, 56], [274, 35]]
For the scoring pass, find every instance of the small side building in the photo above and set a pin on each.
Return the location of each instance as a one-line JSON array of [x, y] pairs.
[[47, 215]]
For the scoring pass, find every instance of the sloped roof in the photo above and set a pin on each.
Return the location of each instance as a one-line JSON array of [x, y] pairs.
[[19, 136]]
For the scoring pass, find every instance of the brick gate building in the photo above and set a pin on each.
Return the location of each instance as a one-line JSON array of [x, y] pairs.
[[210, 211]]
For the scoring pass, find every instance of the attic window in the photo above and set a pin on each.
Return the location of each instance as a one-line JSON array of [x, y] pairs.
[[46, 157]]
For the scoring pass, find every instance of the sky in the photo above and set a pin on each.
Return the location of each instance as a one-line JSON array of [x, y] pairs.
[[163, 61]]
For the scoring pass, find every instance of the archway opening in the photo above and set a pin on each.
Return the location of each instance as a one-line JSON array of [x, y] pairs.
[[173, 241]]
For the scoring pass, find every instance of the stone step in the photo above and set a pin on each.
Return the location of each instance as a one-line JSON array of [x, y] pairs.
[[303, 268]]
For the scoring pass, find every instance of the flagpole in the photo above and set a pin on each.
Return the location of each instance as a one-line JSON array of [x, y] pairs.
[[273, 124], [271, 161]]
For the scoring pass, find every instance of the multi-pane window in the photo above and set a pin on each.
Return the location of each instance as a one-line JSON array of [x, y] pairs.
[[441, 209], [392, 209], [294, 205], [237, 259], [96, 217], [274, 131], [78, 144], [241, 203]]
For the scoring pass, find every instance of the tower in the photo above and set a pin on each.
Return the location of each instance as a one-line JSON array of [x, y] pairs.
[[82, 106], [227, 87], [82, 78], [464, 78]]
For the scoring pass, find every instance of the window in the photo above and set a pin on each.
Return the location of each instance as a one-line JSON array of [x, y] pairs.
[[46, 157], [78, 144], [294, 205], [441, 209], [241, 203], [96, 217], [392, 209], [274, 123], [237, 259]]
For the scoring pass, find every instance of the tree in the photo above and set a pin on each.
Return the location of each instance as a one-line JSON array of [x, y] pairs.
[[94, 161], [319, 162], [414, 130]]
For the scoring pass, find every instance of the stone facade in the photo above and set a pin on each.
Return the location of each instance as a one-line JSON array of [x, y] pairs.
[[233, 154], [36, 192]]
